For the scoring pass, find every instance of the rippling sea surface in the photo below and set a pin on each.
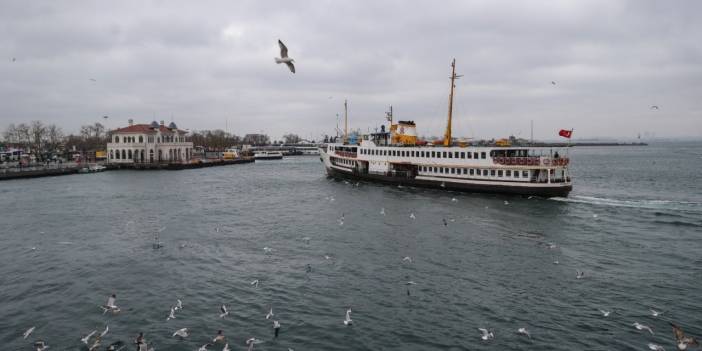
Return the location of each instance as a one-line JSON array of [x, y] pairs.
[[633, 225]]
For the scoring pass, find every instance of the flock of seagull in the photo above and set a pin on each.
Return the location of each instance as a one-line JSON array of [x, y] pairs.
[[93, 340]]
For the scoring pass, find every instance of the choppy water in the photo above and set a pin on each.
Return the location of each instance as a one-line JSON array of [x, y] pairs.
[[632, 224]]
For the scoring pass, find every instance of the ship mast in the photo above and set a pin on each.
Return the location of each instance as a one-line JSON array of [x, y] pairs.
[[346, 122], [447, 136]]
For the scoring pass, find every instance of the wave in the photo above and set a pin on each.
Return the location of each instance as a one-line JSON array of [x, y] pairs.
[[646, 204]]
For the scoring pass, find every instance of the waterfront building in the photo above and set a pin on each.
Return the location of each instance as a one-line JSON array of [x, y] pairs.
[[149, 143]]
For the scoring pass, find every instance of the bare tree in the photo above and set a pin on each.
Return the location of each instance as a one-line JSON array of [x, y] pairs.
[[291, 138]]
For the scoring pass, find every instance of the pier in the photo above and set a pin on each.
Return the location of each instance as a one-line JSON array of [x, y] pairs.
[[38, 171], [179, 165]]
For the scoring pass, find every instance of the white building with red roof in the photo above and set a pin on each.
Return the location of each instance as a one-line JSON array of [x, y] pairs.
[[149, 143]]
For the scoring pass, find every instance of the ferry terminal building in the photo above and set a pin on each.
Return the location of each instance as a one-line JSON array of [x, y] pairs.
[[149, 143]]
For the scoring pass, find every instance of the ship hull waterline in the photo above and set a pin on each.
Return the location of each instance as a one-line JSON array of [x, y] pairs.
[[553, 190]]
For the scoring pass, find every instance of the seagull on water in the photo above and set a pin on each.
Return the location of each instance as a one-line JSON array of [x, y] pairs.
[[412, 216], [654, 107], [655, 313], [95, 345], [682, 341], [605, 313], [284, 57], [654, 347], [110, 306], [179, 305], [411, 282], [524, 331], [204, 347], [40, 345], [347, 320], [327, 257], [486, 335], [224, 311], [444, 220], [182, 333], [86, 338], [267, 249], [341, 220], [579, 275], [382, 211], [407, 259], [270, 313], [306, 240], [453, 199], [28, 332], [506, 202], [171, 315], [220, 337], [226, 347], [276, 328], [255, 283], [640, 326]]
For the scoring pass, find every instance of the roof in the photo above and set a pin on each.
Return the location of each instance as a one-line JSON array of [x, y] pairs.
[[146, 129]]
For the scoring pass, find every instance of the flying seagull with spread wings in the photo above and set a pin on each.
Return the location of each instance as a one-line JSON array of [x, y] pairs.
[[284, 57]]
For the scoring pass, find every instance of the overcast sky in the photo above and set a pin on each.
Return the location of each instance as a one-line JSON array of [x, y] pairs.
[[210, 65]]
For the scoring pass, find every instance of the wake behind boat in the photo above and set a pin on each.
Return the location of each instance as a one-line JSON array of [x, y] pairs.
[[395, 157]]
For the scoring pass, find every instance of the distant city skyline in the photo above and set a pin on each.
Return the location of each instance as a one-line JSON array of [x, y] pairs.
[[597, 67]]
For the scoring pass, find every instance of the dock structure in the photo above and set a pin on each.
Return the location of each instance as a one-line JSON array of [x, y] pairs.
[[178, 165], [38, 171]]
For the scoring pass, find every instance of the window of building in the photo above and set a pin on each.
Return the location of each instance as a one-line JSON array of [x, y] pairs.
[[450, 155], [453, 171], [525, 174], [463, 154], [465, 171], [499, 173], [492, 172], [433, 154], [444, 154], [470, 171], [485, 172], [116, 139], [455, 154], [482, 155], [508, 173], [475, 155], [516, 174], [470, 155]]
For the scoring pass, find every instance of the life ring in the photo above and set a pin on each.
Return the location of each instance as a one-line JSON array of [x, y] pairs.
[[521, 161], [546, 162]]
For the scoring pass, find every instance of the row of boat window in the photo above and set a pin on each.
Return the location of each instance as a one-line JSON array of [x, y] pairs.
[[343, 161], [477, 172], [431, 154]]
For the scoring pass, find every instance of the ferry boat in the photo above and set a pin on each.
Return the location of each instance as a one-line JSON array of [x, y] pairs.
[[397, 157], [268, 155]]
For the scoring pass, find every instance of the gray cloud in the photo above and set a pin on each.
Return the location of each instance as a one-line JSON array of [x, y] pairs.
[[204, 64]]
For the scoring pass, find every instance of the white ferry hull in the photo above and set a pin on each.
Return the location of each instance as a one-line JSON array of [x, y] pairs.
[[560, 189]]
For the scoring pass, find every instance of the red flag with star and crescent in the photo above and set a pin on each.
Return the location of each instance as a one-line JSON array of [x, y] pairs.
[[565, 133]]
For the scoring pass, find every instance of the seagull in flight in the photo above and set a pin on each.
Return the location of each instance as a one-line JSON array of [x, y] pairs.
[[654, 107], [251, 343], [655, 313], [204, 347], [270, 313], [682, 341], [224, 311], [341, 220], [407, 259], [524, 331], [382, 211], [605, 313], [179, 305], [255, 283], [171, 315], [29, 331], [347, 320], [553, 83], [640, 326], [182, 333], [412, 216], [487, 335], [453, 199], [104, 332], [226, 347], [654, 347], [284, 57], [86, 338]]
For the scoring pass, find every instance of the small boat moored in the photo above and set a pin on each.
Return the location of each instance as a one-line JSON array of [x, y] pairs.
[[268, 155]]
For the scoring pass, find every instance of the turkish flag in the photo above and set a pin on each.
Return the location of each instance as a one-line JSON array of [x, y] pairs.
[[565, 133]]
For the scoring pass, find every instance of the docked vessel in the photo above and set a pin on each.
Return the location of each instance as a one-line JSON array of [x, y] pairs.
[[268, 155], [397, 157]]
